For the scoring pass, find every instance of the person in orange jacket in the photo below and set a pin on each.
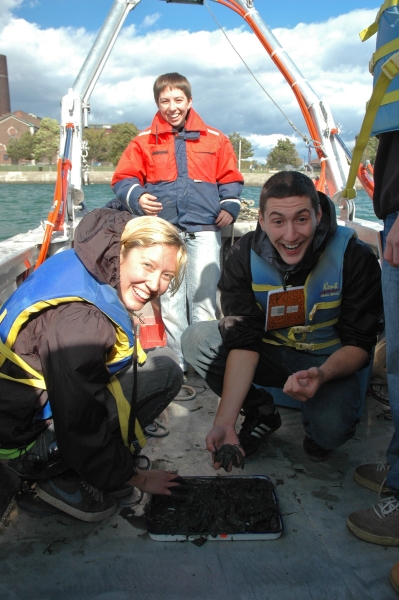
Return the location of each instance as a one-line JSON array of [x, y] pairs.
[[185, 172]]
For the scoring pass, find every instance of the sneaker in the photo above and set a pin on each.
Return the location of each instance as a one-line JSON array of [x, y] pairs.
[[122, 492], [377, 525], [77, 498], [314, 451], [256, 428], [372, 476], [394, 577]]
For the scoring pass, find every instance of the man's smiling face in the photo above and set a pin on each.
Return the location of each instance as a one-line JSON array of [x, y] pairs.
[[290, 224]]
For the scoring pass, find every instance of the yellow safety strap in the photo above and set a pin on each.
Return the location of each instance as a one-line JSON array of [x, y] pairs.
[[123, 407], [390, 97], [302, 345], [372, 29], [310, 328], [322, 306], [264, 287], [389, 70], [38, 382], [392, 46]]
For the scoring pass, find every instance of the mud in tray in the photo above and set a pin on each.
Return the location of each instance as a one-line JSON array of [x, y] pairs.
[[216, 508]]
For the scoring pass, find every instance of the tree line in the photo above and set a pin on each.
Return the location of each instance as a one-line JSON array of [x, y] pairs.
[[103, 144], [107, 145]]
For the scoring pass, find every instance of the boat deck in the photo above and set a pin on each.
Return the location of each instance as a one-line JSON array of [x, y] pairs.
[[55, 556]]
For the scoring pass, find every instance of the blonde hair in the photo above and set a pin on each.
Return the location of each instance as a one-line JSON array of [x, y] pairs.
[[149, 231]]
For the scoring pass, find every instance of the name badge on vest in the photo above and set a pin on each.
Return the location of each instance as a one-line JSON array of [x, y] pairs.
[[285, 308]]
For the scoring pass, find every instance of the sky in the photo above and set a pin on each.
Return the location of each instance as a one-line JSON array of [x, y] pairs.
[[47, 41]]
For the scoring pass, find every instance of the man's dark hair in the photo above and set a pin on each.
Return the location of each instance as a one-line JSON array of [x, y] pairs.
[[172, 80], [286, 184]]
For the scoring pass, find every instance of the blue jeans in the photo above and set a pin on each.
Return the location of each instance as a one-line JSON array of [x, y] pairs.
[[390, 291], [329, 417], [195, 300]]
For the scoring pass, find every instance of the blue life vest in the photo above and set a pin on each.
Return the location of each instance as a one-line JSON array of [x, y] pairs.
[[387, 118], [63, 278], [60, 279], [323, 294]]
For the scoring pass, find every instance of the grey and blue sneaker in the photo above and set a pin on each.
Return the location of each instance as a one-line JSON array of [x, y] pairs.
[[76, 497]]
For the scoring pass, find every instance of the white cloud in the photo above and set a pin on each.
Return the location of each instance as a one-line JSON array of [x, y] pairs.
[[6, 9], [151, 19], [43, 64]]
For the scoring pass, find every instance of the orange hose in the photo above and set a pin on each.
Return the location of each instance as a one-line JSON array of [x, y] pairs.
[[52, 217], [314, 134]]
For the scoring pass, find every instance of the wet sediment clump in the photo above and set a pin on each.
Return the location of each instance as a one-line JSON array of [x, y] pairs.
[[215, 505]]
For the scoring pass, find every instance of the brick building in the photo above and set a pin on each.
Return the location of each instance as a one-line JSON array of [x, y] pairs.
[[13, 126]]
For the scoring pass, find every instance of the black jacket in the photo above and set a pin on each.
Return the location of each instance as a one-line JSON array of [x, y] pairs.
[[242, 326]]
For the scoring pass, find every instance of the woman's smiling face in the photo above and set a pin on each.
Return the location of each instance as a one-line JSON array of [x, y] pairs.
[[145, 274]]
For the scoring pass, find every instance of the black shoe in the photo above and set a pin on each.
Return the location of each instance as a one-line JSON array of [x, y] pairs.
[[256, 428], [314, 451], [77, 498]]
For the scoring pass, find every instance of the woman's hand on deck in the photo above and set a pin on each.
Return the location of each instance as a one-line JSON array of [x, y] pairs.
[[154, 482]]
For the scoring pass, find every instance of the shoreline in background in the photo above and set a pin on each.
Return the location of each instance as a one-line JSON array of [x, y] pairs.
[[101, 177], [256, 179]]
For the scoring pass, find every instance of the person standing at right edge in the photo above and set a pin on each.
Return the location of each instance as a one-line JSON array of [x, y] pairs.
[[380, 524]]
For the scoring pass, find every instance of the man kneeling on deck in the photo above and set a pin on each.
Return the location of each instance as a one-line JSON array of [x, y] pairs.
[[301, 299]]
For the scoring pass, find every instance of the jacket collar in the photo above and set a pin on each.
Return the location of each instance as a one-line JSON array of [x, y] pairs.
[[193, 123]]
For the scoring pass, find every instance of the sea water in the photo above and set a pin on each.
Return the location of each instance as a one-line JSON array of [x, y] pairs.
[[24, 206]]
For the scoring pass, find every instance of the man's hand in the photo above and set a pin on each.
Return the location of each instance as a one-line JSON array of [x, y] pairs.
[[218, 437], [154, 482], [224, 218], [304, 384], [391, 252], [149, 205]]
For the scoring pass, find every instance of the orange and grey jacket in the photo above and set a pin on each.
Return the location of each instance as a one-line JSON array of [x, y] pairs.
[[192, 172]]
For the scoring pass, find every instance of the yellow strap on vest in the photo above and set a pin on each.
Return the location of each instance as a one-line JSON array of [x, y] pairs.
[[17, 360], [386, 49], [36, 383], [372, 29], [389, 70], [390, 97], [141, 355], [123, 407], [310, 328], [264, 287], [323, 305], [302, 345]]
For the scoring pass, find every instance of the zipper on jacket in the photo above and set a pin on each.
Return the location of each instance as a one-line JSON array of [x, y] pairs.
[[286, 275]]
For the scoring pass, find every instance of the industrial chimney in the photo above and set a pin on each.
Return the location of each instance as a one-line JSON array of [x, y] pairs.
[[5, 105]]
